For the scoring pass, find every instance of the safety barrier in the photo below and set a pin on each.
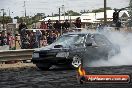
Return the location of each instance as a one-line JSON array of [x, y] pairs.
[[19, 55]]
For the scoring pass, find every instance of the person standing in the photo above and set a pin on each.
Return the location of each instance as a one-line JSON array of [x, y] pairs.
[[51, 38], [22, 32], [49, 24], [3, 38], [66, 26], [38, 35], [57, 26], [22, 26], [43, 41], [116, 19], [78, 22]]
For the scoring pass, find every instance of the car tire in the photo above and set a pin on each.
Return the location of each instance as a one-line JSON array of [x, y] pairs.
[[76, 61], [43, 66]]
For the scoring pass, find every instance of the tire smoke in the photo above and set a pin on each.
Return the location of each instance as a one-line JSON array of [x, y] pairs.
[[124, 40]]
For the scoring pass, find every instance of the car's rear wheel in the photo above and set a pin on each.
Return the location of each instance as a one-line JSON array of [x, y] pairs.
[[43, 66], [76, 61]]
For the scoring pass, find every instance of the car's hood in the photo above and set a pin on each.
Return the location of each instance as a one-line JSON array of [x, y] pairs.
[[55, 46]]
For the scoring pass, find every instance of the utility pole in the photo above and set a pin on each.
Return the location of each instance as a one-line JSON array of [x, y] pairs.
[[9, 12], [59, 14], [3, 20], [25, 8], [52, 15], [63, 8], [105, 14]]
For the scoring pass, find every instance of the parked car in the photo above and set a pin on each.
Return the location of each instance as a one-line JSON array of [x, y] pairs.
[[72, 49]]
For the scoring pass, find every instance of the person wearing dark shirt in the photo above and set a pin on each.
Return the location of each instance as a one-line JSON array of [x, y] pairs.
[[116, 15], [22, 26], [78, 22], [57, 26], [0, 40], [66, 26], [22, 32], [51, 38], [49, 24], [3, 38]]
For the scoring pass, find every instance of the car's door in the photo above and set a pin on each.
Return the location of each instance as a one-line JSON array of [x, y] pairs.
[[90, 50], [104, 46], [99, 48]]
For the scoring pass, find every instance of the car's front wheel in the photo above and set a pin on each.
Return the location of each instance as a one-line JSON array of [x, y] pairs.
[[76, 61], [43, 66]]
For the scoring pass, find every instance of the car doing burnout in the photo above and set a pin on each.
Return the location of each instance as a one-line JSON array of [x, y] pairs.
[[72, 49]]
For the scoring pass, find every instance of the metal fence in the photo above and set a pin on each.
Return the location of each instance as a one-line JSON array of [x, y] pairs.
[[20, 55]]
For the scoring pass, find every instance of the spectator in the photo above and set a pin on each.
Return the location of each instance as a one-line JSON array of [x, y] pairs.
[[66, 25], [3, 38], [38, 35], [57, 26], [22, 26], [43, 41], [78, 22], [51, 38], [25, 42], [57, 33], [118, 25], [24, 38], [0, 40], [10, 40], [43, 25], [22, 32], [116, 15], [33, 42], [49, 24]]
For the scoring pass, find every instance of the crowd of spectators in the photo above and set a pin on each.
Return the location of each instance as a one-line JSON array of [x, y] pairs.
[[36, 38], [6, 39]]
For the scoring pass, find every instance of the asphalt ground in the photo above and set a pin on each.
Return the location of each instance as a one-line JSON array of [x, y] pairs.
[[31, 77]]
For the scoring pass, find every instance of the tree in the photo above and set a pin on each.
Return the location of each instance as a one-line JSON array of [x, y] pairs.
[[130, 13], [84, 11], [29, 20], [101, 9], [7, 19], [72, 13], [17, 17]]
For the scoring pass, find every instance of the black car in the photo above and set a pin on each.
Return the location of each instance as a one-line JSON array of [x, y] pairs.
[[72, 49]]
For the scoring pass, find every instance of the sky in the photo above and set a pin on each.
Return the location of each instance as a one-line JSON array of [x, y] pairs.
[[48, 7]]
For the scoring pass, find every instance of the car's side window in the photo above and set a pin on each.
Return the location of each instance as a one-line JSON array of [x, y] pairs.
[[101, 40], [90, 39], [79, 40]]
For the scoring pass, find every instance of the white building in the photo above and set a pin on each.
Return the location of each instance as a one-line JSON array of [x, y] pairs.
[[62, 18], [99, 17], [91, 18]]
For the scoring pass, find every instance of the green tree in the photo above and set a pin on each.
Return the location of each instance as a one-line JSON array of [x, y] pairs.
[[84, 11], [130, 13], [17, 17], [7, 19], [29, 20], [101, 9], [72, 13]]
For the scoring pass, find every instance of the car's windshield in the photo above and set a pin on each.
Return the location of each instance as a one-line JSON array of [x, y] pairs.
[[70, 39]]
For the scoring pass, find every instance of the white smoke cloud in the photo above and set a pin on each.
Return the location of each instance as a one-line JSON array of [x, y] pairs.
[[124, 40]]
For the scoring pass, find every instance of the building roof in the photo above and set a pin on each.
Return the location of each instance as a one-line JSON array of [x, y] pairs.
[[62, 18], [89, 17]]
